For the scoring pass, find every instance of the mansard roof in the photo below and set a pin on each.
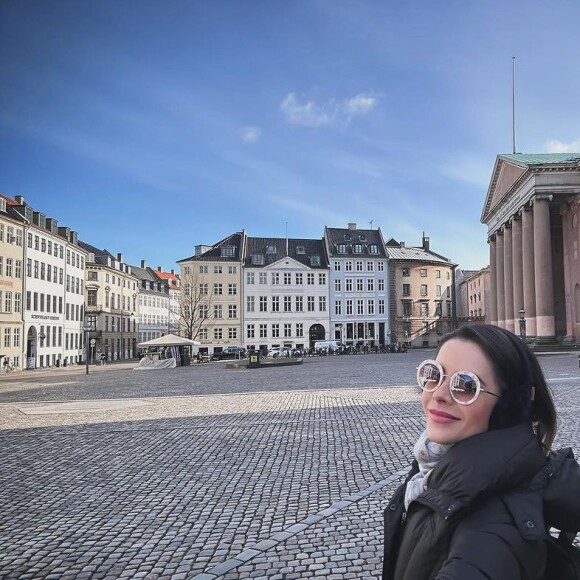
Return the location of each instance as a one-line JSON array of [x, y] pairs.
[[214, 251], [401, 253], [511, 170], [350, 237], [270, 250]]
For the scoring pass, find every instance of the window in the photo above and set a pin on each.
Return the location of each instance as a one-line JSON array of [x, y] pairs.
[[91, 298], [438, 290], [371, 307], [217, 289], [203, 289], [275, 303], [360, 306], [299, 330], [310, 303], [370, 266], [315, 260], [17, 303], [424, 309], [438, 309], [437, 273], [263, 331], [250, 304], [322, 279], [341, 249], [263, 304], [357, 248], [370, 285], [18, 270], [7, 337], [406, 289], [359, 284], [423, 290], [406, 272], [299, 278], [250, 331], [300, 250], [217, 311], [381, 284], [299, 304], [337, 266], [359, 266], [257, 260], [275, 278], [275, 331], [349, 307], [217, 333], [287, 303], [250, 278], [263, 277], [338, 307], [380, 266], [373, 249], [423, 272], [271, 250], [203, 311], [287, 278], [232, 311], [407, 308], [348, 284], [202, 269], [287, 330], [203, 334], [381, 305], [8, 301], [310, 279], [233, 332], [232, 289], [348, 266], [338, 285], [322, 303]]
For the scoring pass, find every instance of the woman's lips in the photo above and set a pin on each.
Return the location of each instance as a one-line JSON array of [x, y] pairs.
[[441, 416]]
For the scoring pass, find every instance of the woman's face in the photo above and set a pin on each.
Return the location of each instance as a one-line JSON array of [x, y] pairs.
[[448, 421]]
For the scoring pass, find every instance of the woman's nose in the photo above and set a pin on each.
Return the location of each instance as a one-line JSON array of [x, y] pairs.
[[442, 393]]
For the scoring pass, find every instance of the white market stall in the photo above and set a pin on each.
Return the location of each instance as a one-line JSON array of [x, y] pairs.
[[168, 351]]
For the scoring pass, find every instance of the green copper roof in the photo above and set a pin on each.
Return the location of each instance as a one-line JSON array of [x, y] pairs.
[[541, 158]]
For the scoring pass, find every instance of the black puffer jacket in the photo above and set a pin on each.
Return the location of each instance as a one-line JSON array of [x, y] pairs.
[[485, 512]]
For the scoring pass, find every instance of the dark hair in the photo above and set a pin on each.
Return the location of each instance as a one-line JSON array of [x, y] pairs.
[[516, 370]]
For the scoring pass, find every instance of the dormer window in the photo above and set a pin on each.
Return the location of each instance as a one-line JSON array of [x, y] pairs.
[[373, 249], [2, 204], [228, 251], [257, 259], [315, 260], [300, 250], [362, 237], [357, 248], [271, 250], [347, 237], [341, 248]]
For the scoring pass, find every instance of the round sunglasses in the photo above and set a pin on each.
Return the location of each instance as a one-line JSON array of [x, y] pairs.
[[464, 386]]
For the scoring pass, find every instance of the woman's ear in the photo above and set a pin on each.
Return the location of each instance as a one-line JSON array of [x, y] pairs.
[[533, 393]]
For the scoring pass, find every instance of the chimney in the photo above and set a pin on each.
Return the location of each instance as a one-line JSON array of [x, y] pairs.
[[173, 271], [352, 226], [119, 257], [160, 269], [19, 199], [143, 264], [402, 244], [425, 242]]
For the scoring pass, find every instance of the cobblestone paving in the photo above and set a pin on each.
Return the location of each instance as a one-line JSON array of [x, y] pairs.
[[263, 484]]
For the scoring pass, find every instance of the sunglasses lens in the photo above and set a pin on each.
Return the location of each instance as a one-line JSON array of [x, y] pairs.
[[464, 387], [429, 376]]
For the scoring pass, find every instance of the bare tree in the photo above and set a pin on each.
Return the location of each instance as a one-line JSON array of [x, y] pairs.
[[195, 305]]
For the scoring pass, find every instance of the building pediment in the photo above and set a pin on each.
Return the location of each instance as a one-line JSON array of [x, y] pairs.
[[286, 263], [505, 175]]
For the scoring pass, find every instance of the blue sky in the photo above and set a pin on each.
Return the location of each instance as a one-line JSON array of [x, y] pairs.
[[150, 126]]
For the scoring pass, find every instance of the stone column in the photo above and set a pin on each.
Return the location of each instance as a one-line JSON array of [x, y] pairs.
[[493, 282], [546, 327], [528, 271], [500, 287], [508, 277], [518, 276]]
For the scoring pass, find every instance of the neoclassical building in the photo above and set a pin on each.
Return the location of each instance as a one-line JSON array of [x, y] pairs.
[[532, 212]]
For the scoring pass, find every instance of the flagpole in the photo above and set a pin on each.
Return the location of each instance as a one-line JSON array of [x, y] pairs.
[[514, 104]]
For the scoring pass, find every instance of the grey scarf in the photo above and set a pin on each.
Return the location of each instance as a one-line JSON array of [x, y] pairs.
[[427, 453]]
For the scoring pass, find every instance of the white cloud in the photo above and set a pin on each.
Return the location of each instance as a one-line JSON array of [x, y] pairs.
[[331, 113], [469, 169], [555, 146], [250, 134]]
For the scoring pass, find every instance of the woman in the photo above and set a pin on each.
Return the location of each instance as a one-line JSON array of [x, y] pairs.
[[482, 489]]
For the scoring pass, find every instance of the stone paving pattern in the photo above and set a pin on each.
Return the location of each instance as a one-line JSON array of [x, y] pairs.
[[241, 480]]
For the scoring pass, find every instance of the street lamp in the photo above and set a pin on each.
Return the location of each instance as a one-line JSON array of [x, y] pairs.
[[522, 324], [90, 326]]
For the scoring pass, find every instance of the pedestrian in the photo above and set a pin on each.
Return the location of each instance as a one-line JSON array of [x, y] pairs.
[[484, 488], [103, 359]]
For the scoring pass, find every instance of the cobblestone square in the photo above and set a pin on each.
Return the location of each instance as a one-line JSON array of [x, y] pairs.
[[208, 472]]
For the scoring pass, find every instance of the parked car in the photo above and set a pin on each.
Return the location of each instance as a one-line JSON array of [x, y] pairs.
[[230, 352], [277, 352]]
